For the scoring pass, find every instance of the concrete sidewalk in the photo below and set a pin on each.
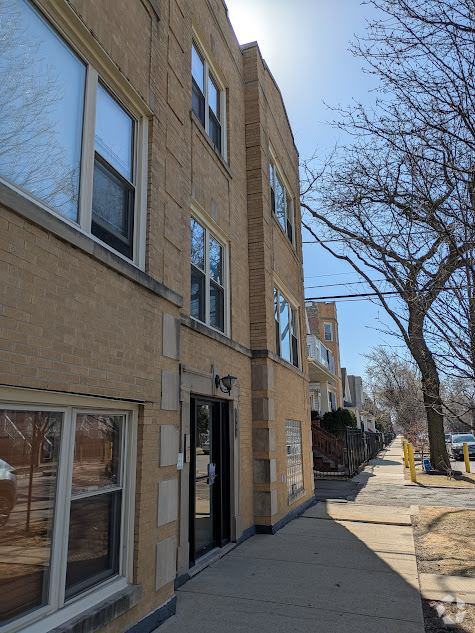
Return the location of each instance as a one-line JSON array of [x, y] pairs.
[[341, 567]]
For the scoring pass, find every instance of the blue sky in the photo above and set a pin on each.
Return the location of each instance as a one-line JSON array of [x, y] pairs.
[[305, 44]]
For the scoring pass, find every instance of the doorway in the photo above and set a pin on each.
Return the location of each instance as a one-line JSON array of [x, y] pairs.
[[209, 476]]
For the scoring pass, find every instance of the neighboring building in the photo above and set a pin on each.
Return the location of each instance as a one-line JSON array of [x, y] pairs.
[[323, 353], [358, 401], [150, 245]]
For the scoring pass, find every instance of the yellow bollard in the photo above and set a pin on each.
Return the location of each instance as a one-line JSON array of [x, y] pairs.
[[466, 457], [412, 466], [406, 460]]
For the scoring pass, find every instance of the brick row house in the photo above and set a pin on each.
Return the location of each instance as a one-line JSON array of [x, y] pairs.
[[154, 382]]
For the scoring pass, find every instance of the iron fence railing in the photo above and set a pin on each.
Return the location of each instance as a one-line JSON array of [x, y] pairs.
[[360, 447]]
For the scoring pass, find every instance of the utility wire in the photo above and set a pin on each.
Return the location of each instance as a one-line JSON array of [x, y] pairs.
[[377, 294], [347, 283]]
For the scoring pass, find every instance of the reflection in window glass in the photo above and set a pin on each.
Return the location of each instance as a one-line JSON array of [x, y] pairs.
[[215, 261], [96, 453], [197, 244], [213, 97], [114, 133], [280, 202], [197, 70], [94, 539], [197, 304], [29, 450], [207, 277], [284, 329], [42, 102], [216, 306], [94, 528]]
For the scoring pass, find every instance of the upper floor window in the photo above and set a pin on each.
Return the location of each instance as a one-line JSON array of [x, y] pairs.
[[207, 100], [328, 331], [66, 140], [281, 201], [286, 328], [207, 277]]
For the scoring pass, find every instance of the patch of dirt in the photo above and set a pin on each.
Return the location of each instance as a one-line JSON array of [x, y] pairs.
[[434, 612], [444, 541], [467, 480]]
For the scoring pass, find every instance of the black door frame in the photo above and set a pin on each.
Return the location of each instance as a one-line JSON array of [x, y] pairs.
[[221, 515]]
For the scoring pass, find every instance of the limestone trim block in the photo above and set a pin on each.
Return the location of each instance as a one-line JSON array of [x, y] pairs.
[[170, 391], [265, 503], [263, 408], [264, 470], [263, 440], [170, 336], [165, 562], [169, 444], [167, 501], [262, 377]]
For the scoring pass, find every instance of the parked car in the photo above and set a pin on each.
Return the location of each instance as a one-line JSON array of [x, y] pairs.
[[205, 447], [8, 491], [455, 445], [447, 437]]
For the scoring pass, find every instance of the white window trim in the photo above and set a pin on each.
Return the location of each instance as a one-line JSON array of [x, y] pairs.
[[59, 610], [64, 21], [210, 226], [210, 66], [278, 172], [328, 340], [292, 303]]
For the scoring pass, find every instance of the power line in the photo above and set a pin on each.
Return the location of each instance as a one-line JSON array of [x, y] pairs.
[[378, 294], [331, 275], [348, 283], [366, 294]]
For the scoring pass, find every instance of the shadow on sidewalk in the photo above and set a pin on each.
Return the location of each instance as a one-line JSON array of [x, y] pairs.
[[316, 575]]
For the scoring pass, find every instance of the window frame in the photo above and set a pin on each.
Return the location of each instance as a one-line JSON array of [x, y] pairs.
[[65, 25], [211, 230], [292, 309], [277, 175], [291, 426], [59, 608], [325, 339], [211, 73]]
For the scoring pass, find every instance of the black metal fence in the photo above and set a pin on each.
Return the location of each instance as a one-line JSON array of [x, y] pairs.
[[361, 446]]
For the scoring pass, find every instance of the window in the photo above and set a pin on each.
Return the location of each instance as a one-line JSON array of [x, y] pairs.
[[207, 277], [286, 329], [207, 100], [328, 331], [281, 201], [294, 458], [65, 487], [66, 140]]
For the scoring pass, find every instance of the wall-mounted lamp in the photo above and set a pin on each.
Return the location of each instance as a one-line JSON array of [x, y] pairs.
[[227, 382]]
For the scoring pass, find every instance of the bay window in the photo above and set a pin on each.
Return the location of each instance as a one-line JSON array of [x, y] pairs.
[[66, 511], [66, 140], [286, 328], [207, 277], [207, 99], [281, 201]]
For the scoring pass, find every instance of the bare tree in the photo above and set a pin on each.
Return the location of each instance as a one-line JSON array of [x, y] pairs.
[[399, 196], [397, 390]]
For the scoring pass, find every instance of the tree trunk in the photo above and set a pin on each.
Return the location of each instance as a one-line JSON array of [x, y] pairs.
[[430, 388]]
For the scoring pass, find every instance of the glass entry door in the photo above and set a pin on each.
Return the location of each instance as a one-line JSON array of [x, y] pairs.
[[209, 476]]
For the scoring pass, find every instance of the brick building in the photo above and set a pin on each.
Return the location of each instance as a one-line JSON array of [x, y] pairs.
[[323, 347], [150, 246]]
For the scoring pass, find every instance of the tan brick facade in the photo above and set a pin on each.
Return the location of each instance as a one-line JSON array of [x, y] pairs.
[[82, 327]]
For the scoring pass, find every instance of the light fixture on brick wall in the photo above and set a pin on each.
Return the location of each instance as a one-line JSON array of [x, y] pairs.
[[227, 382]]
